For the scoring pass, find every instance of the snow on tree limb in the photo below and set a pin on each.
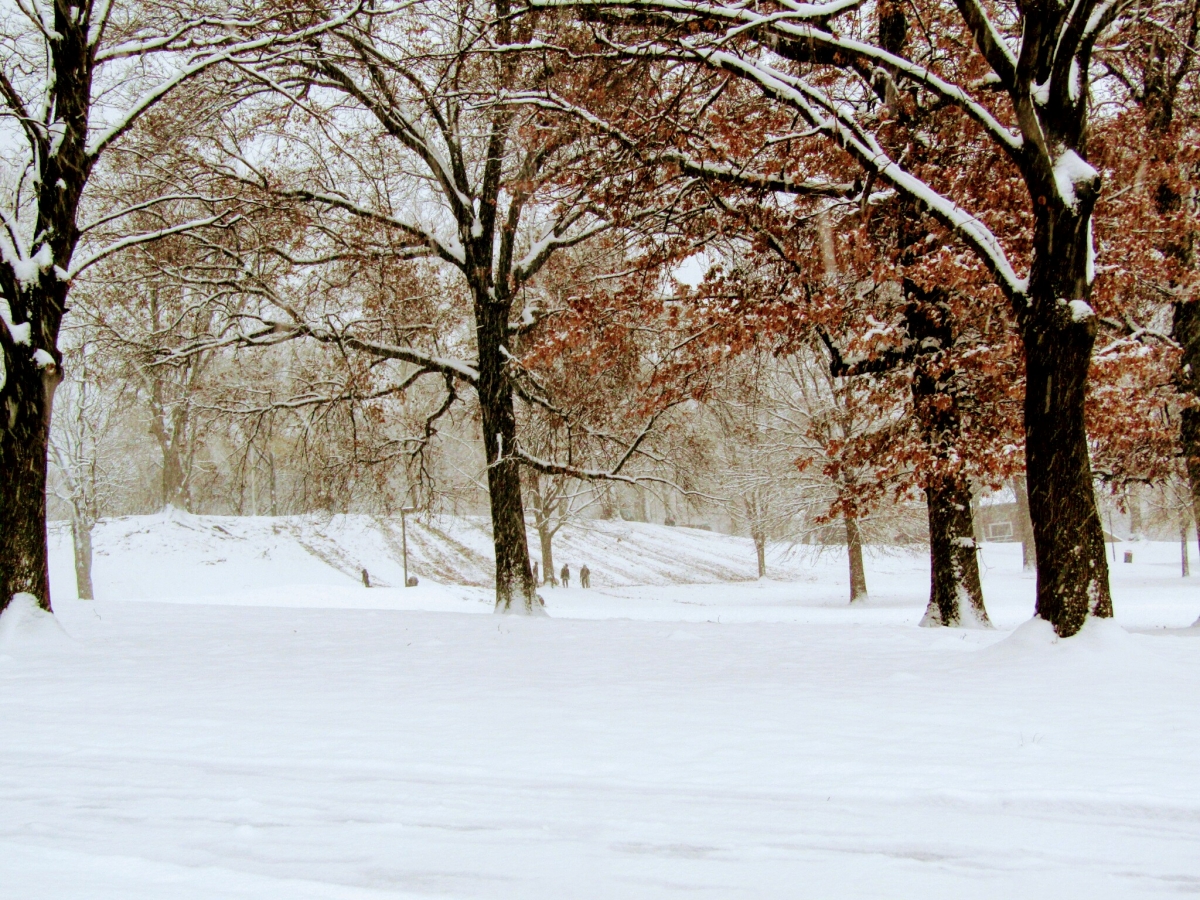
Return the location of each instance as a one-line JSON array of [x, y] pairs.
[[276, 332], [132, 240], [798, 31], [201, 62], [825, 115]]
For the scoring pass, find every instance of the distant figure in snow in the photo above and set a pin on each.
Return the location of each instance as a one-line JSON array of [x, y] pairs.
[[366, 578], [412, 581], [585, 577], [565, 574], [535, 573]]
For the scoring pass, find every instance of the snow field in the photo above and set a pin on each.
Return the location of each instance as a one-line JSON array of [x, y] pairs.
[[757, 739]]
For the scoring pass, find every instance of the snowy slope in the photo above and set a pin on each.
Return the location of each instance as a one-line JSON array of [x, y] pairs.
[[317, 562], [187, 556]]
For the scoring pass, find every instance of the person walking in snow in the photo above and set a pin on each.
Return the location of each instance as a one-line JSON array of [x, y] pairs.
[[565, 574], [535, 573], [585, 577]]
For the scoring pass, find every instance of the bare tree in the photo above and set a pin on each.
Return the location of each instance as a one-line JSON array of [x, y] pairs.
[[75, 79], [828, 420], [755, 461], [82, 454], [407, 142]]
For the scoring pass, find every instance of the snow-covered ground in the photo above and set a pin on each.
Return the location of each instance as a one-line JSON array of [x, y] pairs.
[[237, 717]]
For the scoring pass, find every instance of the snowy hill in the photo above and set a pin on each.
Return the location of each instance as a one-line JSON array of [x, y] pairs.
[[638, 571], [182, 555]]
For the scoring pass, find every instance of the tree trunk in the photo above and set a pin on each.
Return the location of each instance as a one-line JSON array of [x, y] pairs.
[[174, 489], [1024, 525], [515, 590], [546, 539], [271, 483], [858, 574], [1072, 580], [760, 549], [955, 592], [81, 540], [1133, 501], [608, 507], [639, 504], [1058, 331], [1185, 328], [1183, 550], [25, 402]]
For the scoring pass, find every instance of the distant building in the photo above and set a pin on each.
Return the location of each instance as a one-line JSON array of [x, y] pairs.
[[998, 521]]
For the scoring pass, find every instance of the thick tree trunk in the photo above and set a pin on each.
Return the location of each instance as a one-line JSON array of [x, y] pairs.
[[1185, 568], [760, 549], [81, 540], [1058, 331], [31, 363], [25, 402], [858, 573], [1072, 580], [515, 590], [955, 592]]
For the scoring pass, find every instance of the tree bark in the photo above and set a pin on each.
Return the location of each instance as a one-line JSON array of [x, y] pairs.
[[546, 540], [858, 573], [1163, 75], [1058, 335], [1183, 551], [171, 429], [81, 540], [955, 592], [27, 394], [1185, 328], [760, 549], [25, 403], [170, 424], [515, 590], [271, 483]]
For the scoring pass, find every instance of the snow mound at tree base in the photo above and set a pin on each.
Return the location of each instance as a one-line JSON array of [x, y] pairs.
[[1037, 639], [24, 624]]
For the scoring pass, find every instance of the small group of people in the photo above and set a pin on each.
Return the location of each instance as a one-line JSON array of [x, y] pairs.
[[564, 575]]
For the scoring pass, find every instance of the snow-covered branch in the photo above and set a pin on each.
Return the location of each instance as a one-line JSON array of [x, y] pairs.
[[132, 240], [276, 332], [549, 467]]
